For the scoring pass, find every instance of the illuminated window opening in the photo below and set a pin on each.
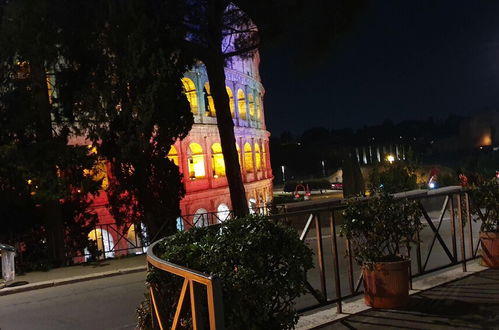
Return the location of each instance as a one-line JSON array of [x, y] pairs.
[[190, 93], [217, 160], [196, 162], [134, 241], [104, 242], [173, 155], [231, 100], [251, 102], [258, 157], [209, 105], [258, 107], [241, 102], [223, 212], [248, 158], [201, 218]]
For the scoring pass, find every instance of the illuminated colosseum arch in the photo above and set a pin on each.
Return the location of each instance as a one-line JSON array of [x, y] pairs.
[[241, 103], [201, 218], [248, 158], [258, 157], [173, 155], [223, 212], [251, 102], [134, 240], [104, 242], [231, 100], [217, 160], [196, 161], [209, 105], [190, 93], [252, 205]]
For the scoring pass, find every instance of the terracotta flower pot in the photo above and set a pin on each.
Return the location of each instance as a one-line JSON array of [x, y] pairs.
[[490, 249], [386, 284]]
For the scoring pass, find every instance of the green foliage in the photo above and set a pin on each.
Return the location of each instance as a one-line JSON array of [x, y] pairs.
[[262, 267], [131, 94], [378, 225], [486, 196], [393, 178]]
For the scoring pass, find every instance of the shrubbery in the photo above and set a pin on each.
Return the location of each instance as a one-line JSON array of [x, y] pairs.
[[393, 178], [262, 266]]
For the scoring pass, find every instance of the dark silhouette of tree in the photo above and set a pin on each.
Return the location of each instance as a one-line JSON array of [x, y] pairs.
[[126, 81], [42, 180]]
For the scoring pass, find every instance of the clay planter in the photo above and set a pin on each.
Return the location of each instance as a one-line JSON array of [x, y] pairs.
[[386, 284], [490, 249]]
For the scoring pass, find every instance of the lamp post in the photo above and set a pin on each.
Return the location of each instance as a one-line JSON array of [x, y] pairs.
[[323, 162], [283, 174]]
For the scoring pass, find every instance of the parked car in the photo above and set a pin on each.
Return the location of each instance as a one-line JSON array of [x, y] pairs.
[[337, 186]]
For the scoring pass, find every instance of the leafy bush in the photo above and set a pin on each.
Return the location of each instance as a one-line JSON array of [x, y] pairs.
[[262, 267], [393, 178], [486, 196], [378, 225]]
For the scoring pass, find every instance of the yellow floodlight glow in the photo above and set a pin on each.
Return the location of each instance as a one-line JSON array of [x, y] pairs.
[[390, 158]]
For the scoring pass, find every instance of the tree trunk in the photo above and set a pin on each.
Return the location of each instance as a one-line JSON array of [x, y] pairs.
[[216, 75], [52, 214]]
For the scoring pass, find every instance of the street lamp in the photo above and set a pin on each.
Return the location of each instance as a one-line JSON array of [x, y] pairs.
[[390, 158], [323, 168], [283, 176]]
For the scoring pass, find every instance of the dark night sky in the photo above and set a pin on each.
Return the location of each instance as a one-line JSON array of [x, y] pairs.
[[400, 60]]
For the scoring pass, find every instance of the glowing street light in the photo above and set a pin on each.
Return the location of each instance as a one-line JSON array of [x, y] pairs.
[[390, 158], [283, 176]]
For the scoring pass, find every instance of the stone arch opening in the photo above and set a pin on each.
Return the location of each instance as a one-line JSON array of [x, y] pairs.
[[217, 160], [196, 161], [231, 100], [258, 157], [248, 158], [190, 93], [223, 212], [241, 103], [104, 241], [173, 155], [200, 218], [209, 104]]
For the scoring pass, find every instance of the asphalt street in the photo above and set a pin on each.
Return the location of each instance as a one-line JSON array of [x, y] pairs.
[[107, 303]]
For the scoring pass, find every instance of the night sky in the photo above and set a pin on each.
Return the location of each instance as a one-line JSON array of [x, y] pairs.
[[400, 60]]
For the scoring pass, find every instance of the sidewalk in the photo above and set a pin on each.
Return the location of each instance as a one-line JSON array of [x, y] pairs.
[[355, 311], [77, 273], [467, 303]]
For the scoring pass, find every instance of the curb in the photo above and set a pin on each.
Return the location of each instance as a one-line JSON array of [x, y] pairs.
[[69, 280]]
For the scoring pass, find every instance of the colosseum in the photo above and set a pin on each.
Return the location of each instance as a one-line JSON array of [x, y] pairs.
[[200, 160], [199, 155]]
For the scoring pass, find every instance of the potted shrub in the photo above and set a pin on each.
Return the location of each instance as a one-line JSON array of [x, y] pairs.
[[486, 197], [377, 228]]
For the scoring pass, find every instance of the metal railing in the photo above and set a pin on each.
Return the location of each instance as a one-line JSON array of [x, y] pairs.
[[446, 214], [329, 266], [190, 279]]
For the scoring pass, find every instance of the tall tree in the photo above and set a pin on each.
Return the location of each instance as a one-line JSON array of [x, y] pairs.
[[128, 82], [39, 170], [217, 31]]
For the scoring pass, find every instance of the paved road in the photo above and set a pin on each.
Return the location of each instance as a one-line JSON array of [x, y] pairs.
[[107, 303]]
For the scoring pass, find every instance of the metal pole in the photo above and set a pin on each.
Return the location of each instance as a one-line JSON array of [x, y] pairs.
[[334, 247]]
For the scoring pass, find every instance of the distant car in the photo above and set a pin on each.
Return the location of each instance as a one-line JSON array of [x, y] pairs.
[[337, 186]]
